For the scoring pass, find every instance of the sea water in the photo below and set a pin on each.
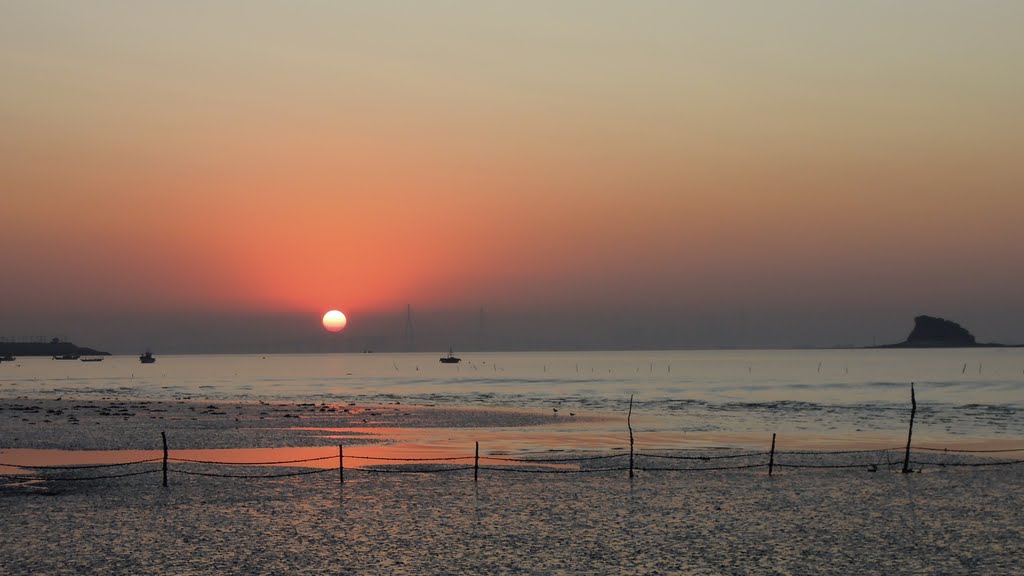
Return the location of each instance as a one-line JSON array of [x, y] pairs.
[[842, 395]]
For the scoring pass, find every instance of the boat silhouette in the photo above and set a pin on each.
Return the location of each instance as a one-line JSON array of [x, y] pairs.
[[147, 358], [450, 358]]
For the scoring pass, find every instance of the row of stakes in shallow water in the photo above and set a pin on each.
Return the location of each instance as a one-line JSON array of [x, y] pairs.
[[539, 465], [668, 368]]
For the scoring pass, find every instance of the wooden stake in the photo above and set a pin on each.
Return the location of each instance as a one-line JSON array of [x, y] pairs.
[[476, 463], [164, 436], [341, 464], [910, 432], [629, 425], [771, 458]]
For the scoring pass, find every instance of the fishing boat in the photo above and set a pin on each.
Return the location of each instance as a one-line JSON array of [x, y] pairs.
[[92, 359], [147, 358], [450, 358], [66, 356], [7, 358]]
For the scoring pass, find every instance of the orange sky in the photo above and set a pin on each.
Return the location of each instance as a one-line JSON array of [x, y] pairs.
[[280, 159]]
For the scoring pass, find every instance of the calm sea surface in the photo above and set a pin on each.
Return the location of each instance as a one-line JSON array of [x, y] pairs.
[[840, 395]]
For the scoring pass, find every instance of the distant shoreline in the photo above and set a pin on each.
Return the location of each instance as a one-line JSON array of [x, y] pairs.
[[905, 345], [51, 348], [935, 332], [484, 353]]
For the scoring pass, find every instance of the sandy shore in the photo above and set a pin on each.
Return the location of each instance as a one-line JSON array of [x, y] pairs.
[[846, 521]]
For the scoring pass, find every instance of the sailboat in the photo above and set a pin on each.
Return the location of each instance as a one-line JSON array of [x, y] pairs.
[[450, 358]]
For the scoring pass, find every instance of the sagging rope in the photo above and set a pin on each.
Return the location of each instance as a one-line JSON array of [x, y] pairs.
[[253, 463], [969, 451], [830, 466], [412, 470], [702, 469], [449, 459], [579, 459], [251, 477], [824, 452], [81, 466], [970, 464], [703, 458], [556, 470]]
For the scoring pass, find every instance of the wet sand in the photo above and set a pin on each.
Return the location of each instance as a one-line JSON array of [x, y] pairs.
[[941, 521], [120, 424], [945, 522]]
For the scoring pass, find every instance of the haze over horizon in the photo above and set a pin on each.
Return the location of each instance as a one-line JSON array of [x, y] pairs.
[[214, 177]]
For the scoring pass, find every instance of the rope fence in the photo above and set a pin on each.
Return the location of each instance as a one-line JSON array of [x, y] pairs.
[[637, 462], [643, 462]]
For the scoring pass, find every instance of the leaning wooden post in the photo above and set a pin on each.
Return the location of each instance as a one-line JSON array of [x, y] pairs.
[[910, 432], [629, 425], [341, 464], [771, 457], [476, 463], [164, 436]]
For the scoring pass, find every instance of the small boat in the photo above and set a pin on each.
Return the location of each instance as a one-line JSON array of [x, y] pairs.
[[450, 358], [67, 356], [92, 359], [7, 358], [147, 358]]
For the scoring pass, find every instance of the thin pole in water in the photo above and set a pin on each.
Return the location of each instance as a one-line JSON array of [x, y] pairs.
[[341, 464], [476, 463], [771, 457], [629, 424], [910, 432], [164, 436]]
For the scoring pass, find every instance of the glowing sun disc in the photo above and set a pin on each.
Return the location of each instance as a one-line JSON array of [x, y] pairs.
[[335, 321]]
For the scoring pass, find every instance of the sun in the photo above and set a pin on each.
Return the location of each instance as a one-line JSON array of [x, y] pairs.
[[335, 321]]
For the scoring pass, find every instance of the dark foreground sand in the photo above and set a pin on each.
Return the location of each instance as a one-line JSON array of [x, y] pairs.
[[945, 522], [850, 521]]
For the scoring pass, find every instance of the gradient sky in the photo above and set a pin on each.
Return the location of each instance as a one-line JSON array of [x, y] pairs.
[[592, 173]]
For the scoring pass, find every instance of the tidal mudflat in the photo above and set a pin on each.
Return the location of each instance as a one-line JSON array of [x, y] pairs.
[[963, 520]]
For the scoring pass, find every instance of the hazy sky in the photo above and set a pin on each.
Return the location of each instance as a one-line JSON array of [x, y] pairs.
[[592, 173]]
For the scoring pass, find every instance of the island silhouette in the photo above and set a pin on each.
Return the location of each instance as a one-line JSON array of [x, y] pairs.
[[54, 347], [934, 332]]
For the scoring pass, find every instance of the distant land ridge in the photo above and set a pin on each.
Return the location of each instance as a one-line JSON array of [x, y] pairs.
[[933, 332], [928, 330], [52, 348]]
